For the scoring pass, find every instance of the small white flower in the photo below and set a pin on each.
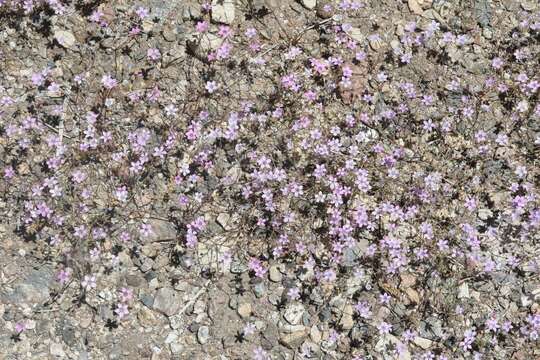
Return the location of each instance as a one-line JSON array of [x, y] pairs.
[[211, 87]]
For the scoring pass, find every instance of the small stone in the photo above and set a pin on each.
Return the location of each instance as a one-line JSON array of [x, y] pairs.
[[293, 339], [208, 42], [423, 343], [356, 34], [274, 274], [199, 307], [324, 9], [64, 38], [238, 267], [223, 220], [315, 334], [376, 43], [203, 334], [484, 214], [166, 301], [244, 310], [259, 289], [223, 11], [347, 322], [57, 350], [147, 25], [293, 313], [463, 291], [529, 5], [309, 4], [176, 347], [413, 295], [191, 11], [415, 7]]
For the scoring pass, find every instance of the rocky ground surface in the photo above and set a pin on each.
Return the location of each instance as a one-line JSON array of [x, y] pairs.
[[266, 179]]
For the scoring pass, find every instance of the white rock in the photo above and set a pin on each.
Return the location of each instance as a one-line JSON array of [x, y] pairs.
[[64, 38], [484, 214], [203, 335], [463, 291], [347, 321], [309, 4], [57, 350], [356, 34], [275, 274], [171, 337], [244, 310], [423, 343], [415, 7], [293, 313], [223, 11]]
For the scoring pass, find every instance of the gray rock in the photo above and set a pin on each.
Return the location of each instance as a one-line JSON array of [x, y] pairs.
[[162, 230], [199, 307], [325, 314], [306, 318], [237, 267], [359, 333], [194, 327], [312, 348], [167, 301], [293, 313], [147, 300], [223, 11], [191, 11], [316, 297], [68, 335], [203, 335], [259, 289], [483, 12], [32, 289], [105, 312]]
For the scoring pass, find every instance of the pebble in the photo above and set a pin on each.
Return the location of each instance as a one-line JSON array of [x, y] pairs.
[[347, 322], [244, 310], [275, 274], [315, 334], [293, 313], [223, 11], [203, 334], [293, 339], [259, 289], [415, 7], [207, 43], [423, 343], [309, 4], [199, 307], [322, 11], [463, 291], [56, 349], [167, 301], [64, 38], [356, 34]]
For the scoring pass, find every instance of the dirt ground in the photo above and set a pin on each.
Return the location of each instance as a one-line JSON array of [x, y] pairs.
[[267, 179]]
